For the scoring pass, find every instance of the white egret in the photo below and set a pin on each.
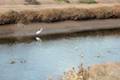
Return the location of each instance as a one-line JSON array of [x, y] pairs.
[[39, 31], [38, 39]]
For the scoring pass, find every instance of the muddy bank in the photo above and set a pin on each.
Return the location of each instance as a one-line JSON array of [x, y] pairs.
[[27, 32], [55, 13], [22, 32], [107, 71]]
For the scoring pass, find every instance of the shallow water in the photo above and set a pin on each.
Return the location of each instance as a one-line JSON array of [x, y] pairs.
[[38, 60]]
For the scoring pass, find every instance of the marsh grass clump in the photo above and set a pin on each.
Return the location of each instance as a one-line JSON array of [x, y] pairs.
[[102, 12], [80, 74], [51, 15], [9, 17], [28, 16], [82, 14], [116, 11], [47, 15]]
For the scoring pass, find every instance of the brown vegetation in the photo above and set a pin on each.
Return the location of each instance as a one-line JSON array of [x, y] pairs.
[[109, 71], [59, 14], [80, 74]]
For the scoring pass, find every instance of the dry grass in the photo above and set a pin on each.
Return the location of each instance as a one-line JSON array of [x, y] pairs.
[[9, 17], [80, 74], [59, 14], [110, 71]]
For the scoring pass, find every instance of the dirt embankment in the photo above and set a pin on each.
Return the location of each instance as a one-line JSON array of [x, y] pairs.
[[30, 14], [108, 1]]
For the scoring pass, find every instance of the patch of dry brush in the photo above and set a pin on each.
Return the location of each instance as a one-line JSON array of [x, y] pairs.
[[80, 74], [59, 14], [109, 71]]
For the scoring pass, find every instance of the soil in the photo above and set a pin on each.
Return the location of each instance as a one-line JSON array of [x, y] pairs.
[[108, 1]]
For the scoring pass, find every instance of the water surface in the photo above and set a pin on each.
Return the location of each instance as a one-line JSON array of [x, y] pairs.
[[38, 60]]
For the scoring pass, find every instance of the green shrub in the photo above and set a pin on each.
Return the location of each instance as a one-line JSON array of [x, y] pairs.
[[66, 1], [87, 1], [32, 2]]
